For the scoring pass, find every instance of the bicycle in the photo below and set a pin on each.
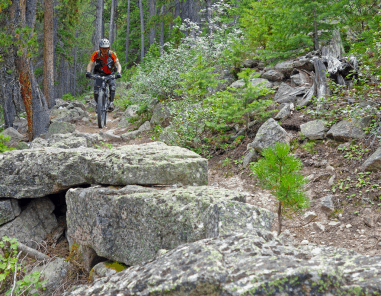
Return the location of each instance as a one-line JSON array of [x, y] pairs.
[[103, 98]]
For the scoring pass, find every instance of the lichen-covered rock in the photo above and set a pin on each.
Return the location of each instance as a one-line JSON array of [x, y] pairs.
[[33, 224], [71, 113], [245, 264], [127, 115], [284, 112], [32, 173], [273, 75], [373, 163], [349, 129], [268, 134], [60, 128], [68, 140], [260, 82], [9, 209], [314, 130], [131, 224], [52, 275], [160, 113], [104, 269]]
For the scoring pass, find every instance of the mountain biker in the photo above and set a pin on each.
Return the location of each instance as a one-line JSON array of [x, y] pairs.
[[106, 62]]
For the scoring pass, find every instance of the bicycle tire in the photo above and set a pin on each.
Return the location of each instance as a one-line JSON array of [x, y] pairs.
[[101, 109]]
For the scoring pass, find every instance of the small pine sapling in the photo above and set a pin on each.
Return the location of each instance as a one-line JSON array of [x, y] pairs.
[[278, 172]]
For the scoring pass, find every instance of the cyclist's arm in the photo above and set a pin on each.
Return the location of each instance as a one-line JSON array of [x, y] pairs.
[[90, 66], [118, 67]]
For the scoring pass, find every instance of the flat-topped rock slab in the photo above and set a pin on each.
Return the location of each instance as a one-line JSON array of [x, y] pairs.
[[131, 224], [33, 173]]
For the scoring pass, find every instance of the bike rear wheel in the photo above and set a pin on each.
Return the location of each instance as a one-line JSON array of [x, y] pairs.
[[101, 109]]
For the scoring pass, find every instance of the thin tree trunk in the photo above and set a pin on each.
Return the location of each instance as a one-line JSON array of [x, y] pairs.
[[141, 31], [152, 32], [316, 38], [128, 31], [209, 16], [112, 20], [48, 53], [162, 30], [23, 14], [73, 92], [177, 8], [279, 218], [98, 24]]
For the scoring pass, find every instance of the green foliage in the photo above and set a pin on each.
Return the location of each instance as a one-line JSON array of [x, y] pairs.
[[278, 172], [3, 146], [238, 105], [198, 80], [309, 146], [103, 145], [9, 265], [68, 97], [116, 266]]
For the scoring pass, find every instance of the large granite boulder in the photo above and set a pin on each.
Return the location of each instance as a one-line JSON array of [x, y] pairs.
[[273, 75], [33, 224], [9, 210], [348, 129], [314, 130], [373, 163], [32, 173], [68, 140], [72, 112], [60, 128], [288, 94], [131, 224], [237, 264], [268, 134]]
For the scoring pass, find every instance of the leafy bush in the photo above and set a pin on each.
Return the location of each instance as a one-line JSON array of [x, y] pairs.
[[3, 146], [278, 172], [9, 265]]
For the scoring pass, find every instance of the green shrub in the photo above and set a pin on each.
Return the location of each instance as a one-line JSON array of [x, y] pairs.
[[3, 146], [278, 172]]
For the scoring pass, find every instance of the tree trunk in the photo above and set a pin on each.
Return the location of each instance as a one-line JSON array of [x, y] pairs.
[[141, 31], [128, 31], [48, 67], [112, 20], [98, 24], [152, 32], [316, 37], [209, 16], [23, 14], [162, 30], [73, 92], [177, 8]]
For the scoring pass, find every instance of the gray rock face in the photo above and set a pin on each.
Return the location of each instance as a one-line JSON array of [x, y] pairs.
[[245, 264], [273, 75], [34, 223], [261, 82], [349, 129], [284, 112], [13, 133], [373, 163], [288, 94], [9, 210], [326, 204], [268, 134], [314, 130], [129, 113], [60, 128], [133, 223], [160, 113], [285, 67], [101, 270], [53, 273], [32, 173], [68, 112], [69, 140]]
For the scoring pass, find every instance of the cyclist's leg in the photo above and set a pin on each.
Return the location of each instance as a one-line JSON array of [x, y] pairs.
[[112, 93], [97, 85]]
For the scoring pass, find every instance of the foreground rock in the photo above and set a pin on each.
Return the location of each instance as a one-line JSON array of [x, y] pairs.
[[9, 209], [245, 264], [33, 224], [67, 140], [35, 173], [133, 223]]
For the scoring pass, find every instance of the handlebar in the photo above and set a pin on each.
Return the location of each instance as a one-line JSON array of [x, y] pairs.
[[106, 78]]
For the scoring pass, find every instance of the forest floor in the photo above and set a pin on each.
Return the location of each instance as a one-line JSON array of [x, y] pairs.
[[356, 221]]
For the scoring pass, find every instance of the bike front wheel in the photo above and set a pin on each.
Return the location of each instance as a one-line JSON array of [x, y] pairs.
[[101, 109]]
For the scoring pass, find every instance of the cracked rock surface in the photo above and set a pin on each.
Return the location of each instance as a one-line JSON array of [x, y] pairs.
[[254, 263], [33, 173], [131, 224]]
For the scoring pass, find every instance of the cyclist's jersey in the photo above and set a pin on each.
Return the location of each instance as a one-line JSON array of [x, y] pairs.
[[104, 65]]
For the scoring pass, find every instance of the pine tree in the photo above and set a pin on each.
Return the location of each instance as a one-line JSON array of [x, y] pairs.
[[278, 172]]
